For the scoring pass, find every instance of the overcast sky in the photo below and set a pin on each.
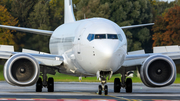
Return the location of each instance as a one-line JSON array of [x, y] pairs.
[[167, 0]]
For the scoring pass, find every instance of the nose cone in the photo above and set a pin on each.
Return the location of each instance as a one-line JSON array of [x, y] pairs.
[[107, 49], [109, 55]]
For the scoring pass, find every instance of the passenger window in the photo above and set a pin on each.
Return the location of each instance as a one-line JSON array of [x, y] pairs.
[[100, 36], [112, 36], [120, 37], [90, 37]]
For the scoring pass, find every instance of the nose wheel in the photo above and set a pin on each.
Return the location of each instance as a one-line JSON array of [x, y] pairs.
[[103, 87], [100, 90], [105, 90]]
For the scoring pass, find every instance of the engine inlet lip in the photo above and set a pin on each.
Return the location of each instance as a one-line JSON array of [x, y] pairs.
[[16, 57], [165, 58]]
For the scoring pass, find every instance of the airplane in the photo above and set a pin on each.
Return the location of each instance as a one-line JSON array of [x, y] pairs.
[[86, 48]]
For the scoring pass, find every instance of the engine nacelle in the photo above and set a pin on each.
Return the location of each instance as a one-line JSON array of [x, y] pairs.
[[158, 71], [21, 70]]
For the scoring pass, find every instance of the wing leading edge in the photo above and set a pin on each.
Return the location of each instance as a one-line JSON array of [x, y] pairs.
[[43, 59], [49, 33], [28, 30], [136, 58], [135, 26], [7, 52]]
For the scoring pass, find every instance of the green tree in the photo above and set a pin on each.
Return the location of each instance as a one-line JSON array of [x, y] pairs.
[[153, 2], [39, 19], [6, 3], [92, 8], [21, 10], [56, 13]]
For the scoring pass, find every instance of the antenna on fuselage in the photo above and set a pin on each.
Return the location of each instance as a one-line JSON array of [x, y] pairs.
[[68, 12], [84, 16]]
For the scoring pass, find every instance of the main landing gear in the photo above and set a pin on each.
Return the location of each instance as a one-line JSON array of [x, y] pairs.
[[49, 84], [124, 84]]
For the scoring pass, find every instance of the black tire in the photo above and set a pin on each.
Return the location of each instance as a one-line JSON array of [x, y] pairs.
[[117, 85], [39, 85], [50, 84], [105, 90], [128, 85], [100, 90]]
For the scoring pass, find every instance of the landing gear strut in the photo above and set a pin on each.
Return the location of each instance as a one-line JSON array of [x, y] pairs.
[[49, 84], [103, 87]]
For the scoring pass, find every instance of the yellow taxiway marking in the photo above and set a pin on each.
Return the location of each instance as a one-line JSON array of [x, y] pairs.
[[121, 98]]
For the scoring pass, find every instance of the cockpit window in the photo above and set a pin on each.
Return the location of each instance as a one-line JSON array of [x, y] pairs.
[[120, 37], [104, 36], [112, 36], [90, 37], [100, 36]]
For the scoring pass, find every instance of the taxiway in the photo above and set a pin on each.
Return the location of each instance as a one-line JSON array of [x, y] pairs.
[[84, 90]]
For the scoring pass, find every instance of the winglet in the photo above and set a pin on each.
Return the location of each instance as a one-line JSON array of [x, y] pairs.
[[68, 12]]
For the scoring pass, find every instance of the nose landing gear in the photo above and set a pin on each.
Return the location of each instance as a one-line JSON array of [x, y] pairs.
[[102, 75], [103, 87]]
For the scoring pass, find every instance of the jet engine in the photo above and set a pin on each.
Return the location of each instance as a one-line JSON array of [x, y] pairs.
[[158, 71], [21, 70]]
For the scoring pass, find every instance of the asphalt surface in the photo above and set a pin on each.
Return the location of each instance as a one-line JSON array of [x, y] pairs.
[[80, 90]]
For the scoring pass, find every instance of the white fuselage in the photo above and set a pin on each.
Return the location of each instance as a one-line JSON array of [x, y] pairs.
[[84, 52]]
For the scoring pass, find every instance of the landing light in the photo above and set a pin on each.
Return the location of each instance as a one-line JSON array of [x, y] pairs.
[[57, 58]]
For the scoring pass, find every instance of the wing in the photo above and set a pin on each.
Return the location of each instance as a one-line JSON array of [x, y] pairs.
[[28, 30], [7, 52], [137, 58], [24, 69], [135, 26], [42, 59], [49, 33]]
